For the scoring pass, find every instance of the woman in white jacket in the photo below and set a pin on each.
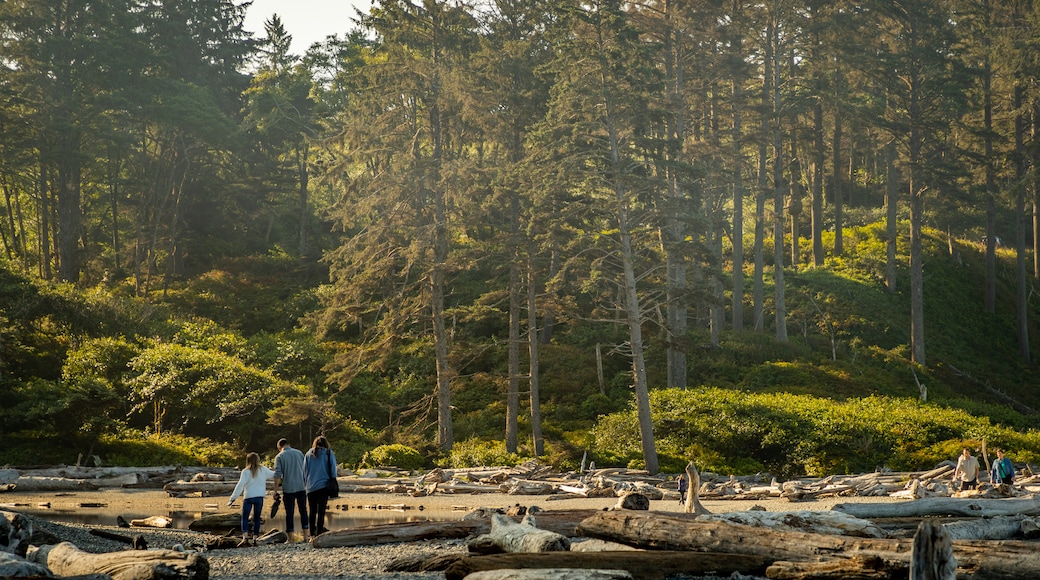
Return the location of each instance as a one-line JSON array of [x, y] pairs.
[[252, 485]]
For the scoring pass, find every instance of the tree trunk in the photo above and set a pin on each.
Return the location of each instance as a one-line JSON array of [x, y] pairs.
[[525, 536], [532, 347], [837, 185], [737, 308], [819, 156], [891, 216], [943, 506], [779, 188], [1022, 286]]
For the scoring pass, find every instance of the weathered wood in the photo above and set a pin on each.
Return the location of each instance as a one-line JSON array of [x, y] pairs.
[[152, 522], [693, 505], [33, 483], [656, 565], [525, 537], [13, 566], [16, 532], [65, 559], [563, 522], [554, 573], [826, 522], [932, 557], [998, 528], [858, 568], [211, 522], [943, 506], [990, 559]]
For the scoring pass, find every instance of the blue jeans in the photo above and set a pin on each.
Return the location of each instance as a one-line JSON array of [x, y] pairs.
[[256, 505], [292, 500]]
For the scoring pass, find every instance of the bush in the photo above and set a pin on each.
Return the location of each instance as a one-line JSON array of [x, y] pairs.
[[477, 453], [394, 455]]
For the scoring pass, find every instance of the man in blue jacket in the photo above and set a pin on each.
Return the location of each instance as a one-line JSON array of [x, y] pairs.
[[288, 473]]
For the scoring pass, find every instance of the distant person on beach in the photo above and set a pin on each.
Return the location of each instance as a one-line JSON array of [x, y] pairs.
[[288, 474], [252, 485], [318, 465], [967, 471], [683, 487], [1003, 471]]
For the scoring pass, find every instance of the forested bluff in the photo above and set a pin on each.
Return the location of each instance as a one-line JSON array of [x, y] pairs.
[[764, 237]]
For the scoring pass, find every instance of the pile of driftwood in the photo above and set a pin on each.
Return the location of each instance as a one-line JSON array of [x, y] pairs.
[[939, 538], [530, 478], [29, 553]]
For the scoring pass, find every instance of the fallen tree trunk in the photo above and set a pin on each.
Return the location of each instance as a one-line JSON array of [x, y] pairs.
[[217, 522], [642, 565], [990, 559], [65, 559], [152, 522], [32, 483], [943, 506], [563, 522], [857, 568]]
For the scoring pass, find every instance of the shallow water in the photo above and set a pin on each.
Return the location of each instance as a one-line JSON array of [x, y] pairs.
[[336, 518]]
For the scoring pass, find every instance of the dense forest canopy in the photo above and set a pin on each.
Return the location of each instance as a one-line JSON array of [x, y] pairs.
[[480, 230]]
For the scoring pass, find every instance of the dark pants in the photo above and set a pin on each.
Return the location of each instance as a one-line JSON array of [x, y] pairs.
[[970, 484], [297, 498], [255, 505], [317, 501]]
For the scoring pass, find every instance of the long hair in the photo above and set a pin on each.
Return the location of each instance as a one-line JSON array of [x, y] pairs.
[[253, 463], [319, 441]]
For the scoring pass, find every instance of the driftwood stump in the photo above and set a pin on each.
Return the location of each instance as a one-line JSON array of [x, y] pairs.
[[932, 553], [693, 501]]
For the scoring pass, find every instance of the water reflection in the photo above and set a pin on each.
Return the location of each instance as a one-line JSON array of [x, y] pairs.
[[335, 519]]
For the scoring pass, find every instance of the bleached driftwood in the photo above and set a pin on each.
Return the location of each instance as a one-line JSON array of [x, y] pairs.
[[525, 537], [693, 505], [15, 533], [564, 522], [14, 566], [821, 522], [152, 522], [65, 559], [943, 506], [982, 559]]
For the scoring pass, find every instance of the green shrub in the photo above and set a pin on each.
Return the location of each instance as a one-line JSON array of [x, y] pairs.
[[477, 453], [393, 455]]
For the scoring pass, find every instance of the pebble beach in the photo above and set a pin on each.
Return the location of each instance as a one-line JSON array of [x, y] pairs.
[[301, 561]]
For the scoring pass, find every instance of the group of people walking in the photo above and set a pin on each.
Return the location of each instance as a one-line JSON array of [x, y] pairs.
[[302, 479], [967, 471]]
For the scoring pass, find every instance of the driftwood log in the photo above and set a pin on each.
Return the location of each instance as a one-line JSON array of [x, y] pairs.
[[152, 522], [856, 568], [16, 532], [563, 522], [554, 573], [943, 506], [692, 501], [12, 566], [525, 536], [656, 565], [215, 522], [990, 559], [65, 559]]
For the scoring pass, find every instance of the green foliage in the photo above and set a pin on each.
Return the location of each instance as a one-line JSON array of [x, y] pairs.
[[393, 455], [790, 435], [474, 452], [135, 449]]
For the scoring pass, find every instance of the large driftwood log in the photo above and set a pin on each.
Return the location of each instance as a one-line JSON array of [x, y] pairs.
[[525, 537], [563, 522], [12, 566], [693, 502], [153, 522], [991, 559], [642, 565], [33, 483], [554, 573], [858, 568], [828, 522], [943, 506], [65, 559], [998, 528]]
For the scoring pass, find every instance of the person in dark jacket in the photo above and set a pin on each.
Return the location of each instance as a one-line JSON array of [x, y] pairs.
[[318, 465], [1003, 471]]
